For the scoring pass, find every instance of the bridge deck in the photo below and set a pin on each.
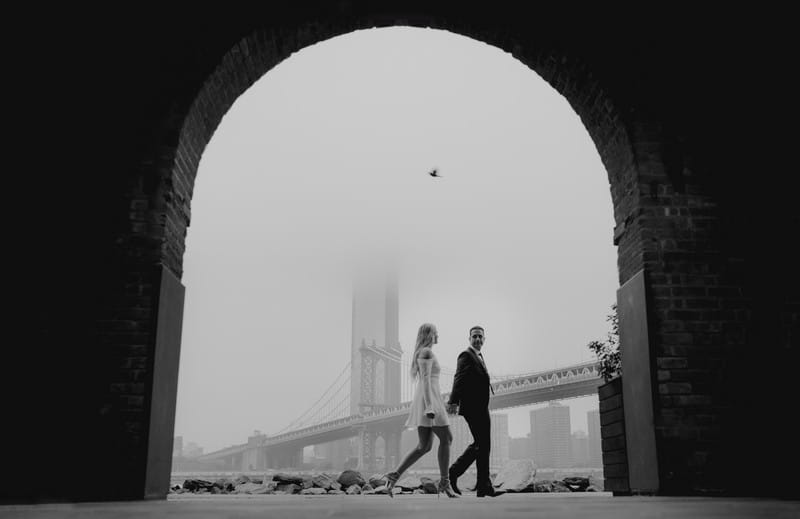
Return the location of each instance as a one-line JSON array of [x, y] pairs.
[[556, 384]]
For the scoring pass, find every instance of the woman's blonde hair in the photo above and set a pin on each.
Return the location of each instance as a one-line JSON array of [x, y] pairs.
[[424, 339]]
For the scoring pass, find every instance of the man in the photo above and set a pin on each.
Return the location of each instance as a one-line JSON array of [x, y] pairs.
[[470, 395]]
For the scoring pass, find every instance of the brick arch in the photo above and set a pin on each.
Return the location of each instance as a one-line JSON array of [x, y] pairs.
[[192, 120], [161, 196], [686, 131], [667, 224]]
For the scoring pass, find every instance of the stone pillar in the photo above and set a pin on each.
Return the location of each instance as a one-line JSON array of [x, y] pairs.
[[297, 458], [366, 450], [164, 384], [637, 386], [392, 438], [268, 459]]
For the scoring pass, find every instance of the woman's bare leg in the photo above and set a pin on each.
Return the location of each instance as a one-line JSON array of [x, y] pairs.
[[423, 447], [445, 439]]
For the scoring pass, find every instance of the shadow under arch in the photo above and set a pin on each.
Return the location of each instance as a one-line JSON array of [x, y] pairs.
[[643, 94]]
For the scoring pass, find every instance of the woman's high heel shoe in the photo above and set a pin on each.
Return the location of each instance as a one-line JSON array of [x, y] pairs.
[[444, 487], [391, 479]]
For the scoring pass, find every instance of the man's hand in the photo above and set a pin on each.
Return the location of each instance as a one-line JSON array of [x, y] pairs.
[[452, 408]]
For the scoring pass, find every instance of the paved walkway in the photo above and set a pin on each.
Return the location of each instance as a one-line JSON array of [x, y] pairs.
[[568, 506]]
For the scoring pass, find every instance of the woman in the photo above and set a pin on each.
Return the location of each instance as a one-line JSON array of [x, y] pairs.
[[428, 412]]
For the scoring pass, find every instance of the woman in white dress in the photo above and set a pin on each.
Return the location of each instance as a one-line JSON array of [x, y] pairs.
[[428, 412]]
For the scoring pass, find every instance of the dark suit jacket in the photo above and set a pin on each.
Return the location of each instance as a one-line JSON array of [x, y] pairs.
[[471, 385]]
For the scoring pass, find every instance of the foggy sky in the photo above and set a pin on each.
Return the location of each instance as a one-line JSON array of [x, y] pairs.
[[321, 167]]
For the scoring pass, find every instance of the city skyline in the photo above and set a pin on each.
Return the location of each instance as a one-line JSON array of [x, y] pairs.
[[551, 447], [504, 414]]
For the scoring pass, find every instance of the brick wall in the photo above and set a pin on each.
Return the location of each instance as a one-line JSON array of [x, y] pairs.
[[666, 215], [612, 432], [694, 204]]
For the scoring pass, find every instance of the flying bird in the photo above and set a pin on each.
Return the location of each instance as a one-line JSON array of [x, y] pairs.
[[435, 173]]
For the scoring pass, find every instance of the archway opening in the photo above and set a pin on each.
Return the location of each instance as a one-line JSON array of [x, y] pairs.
[[515, 234]]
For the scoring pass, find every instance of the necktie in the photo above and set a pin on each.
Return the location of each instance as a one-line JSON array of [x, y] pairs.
[[487, 370]]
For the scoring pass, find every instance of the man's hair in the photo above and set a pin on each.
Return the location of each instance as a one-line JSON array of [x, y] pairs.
[[476, 328]]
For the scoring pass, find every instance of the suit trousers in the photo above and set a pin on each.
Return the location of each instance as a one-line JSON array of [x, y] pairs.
[[480, 426]]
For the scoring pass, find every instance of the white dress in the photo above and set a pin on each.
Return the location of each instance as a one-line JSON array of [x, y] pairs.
[[429, 370]]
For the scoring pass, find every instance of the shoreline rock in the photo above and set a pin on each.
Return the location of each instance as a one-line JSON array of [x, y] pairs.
[[517, 476]]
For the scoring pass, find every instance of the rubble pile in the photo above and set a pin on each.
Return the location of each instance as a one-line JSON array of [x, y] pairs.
[[517, 477]]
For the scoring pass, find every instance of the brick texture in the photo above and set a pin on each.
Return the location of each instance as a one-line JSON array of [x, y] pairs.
[[695, 203]]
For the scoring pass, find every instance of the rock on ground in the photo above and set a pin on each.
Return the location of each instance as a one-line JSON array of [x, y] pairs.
[[288, 478], [194, 485], [409, 482], [250, 488], [289, 488], [515, 475], [377, 480], [381, 489], [349, 478], [325, 481], [241, 480], [428, 485], [467, 481], [558, 486], [577, 484]]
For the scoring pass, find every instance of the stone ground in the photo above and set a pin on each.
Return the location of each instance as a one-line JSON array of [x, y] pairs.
[[573, 506]]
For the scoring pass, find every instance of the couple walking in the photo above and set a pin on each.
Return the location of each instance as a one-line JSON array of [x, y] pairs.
[[429, 413]]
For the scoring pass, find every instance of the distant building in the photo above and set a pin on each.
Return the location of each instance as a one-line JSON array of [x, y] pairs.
[[336, 453], [595, 443], [184, 458], [520, 448], [500, 444], [580, 449], [177, 447], [550, 436], [192, 450]]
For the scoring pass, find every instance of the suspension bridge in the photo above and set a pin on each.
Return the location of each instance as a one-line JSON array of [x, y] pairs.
[[328, 419], [371, 395]]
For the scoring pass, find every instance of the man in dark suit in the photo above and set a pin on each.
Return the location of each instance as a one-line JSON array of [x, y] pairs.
[[470, 395]]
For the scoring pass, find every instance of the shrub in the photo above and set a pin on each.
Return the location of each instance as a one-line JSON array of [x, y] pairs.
[[608, 351]]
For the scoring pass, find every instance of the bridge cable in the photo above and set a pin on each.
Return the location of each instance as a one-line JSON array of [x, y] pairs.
[[303, 415]]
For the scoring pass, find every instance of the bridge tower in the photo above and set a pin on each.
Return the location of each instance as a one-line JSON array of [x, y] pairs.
[[375, 360], [375, 345]]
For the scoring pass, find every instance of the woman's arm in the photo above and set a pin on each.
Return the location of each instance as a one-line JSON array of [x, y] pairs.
[[425, 360]]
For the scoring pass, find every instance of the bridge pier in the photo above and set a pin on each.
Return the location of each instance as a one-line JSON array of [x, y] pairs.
[[366, 450], [283, 457], [367, 455], [392, 454], [274, 459]]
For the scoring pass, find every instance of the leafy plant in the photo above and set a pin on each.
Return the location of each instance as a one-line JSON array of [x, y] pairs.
[[608, 351]]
